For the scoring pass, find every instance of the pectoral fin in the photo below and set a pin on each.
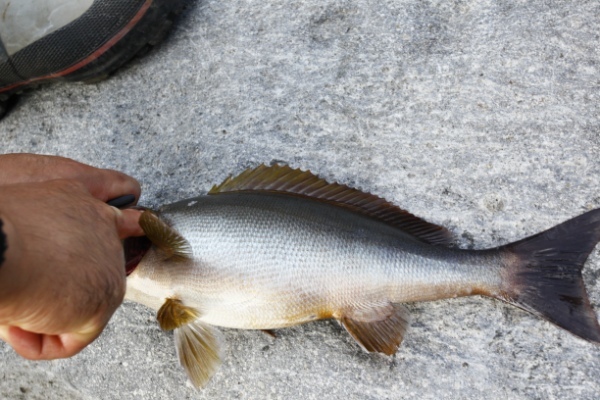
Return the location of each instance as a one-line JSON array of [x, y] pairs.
[[198, 345], [199, 350], [378, 328], [165, 238]]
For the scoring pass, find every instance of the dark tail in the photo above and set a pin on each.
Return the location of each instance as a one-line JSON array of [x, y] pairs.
[[544, 275]]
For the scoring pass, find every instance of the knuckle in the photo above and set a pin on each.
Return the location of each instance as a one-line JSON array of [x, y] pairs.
[[107, 212]]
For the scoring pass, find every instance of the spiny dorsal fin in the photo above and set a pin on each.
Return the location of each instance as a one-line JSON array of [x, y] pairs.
[[377, 328], [198, 345], [284, 180], [171, 243]]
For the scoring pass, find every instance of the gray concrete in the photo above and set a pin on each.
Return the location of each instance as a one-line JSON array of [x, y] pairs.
[[483, 116]]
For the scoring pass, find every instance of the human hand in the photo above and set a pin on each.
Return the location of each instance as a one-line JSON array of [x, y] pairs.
[[103, 184], [64, 272]]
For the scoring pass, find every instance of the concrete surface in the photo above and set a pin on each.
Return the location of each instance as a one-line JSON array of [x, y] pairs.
[[483, 116]]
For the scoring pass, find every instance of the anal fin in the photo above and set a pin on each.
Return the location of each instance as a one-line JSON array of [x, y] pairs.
[[379, 328]]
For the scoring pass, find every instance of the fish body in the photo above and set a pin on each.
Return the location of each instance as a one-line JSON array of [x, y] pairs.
[[277, 247], [267, 261]]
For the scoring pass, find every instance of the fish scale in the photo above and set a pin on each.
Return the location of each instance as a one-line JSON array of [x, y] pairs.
[[253, 248]]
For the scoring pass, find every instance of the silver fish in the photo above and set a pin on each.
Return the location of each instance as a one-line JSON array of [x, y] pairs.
[[276, 247]]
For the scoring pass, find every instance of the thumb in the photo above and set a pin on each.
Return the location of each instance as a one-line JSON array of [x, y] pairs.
[[127, 222]]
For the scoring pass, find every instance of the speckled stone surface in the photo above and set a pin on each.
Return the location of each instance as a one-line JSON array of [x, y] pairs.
[[482, 116]]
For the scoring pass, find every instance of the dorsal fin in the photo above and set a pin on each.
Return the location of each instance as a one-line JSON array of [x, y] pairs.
[[284, 180]]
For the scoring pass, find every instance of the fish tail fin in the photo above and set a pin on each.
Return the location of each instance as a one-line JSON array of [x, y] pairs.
[[543, 275]]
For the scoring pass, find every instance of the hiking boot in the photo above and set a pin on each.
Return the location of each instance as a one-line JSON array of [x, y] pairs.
[[74, 40]]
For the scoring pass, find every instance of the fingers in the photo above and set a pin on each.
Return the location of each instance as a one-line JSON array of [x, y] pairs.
[[106, 184], [30, 345], [103, 184], [127, 222], [35, 346]]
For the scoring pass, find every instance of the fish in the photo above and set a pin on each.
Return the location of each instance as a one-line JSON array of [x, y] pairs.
[[276, 247]]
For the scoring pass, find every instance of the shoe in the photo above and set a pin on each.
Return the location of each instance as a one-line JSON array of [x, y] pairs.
[[74, 40]]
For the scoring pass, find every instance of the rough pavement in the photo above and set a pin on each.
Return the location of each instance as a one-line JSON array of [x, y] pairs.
[[482, 116]]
